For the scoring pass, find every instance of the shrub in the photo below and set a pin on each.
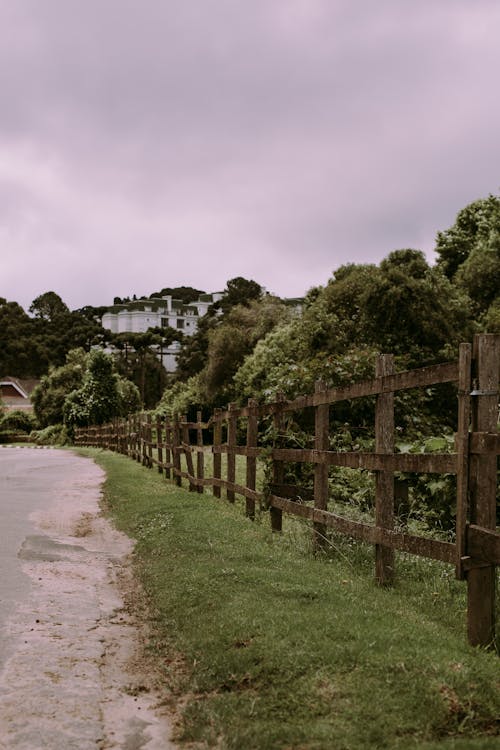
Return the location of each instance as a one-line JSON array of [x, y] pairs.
[[54, 434], [17, 421]]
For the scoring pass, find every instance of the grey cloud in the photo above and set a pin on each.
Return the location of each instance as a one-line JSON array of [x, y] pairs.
[[246, 138]]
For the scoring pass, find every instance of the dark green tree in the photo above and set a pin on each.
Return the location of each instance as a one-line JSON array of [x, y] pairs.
[[48, 306], [469, 251], [49, 396], [22, 352], [235, 338], [137, 360], [193, 356], [186, 294], [413, 310], [98, 399], [239, 291]]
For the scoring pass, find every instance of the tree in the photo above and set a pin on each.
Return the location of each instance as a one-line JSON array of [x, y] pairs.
[[239, 291], [413, 310], [49, 396], [98, 399], [192, 357], [234, 339], [22, 352], [469, 251], [48, 306], [185, 294], [137, 361]]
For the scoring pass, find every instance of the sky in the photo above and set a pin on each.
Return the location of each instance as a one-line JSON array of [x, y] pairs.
[[157, 143]]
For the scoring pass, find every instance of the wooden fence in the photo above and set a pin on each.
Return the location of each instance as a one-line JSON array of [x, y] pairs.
[[476, 550]]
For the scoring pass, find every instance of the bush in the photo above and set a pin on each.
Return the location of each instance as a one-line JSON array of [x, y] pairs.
[[17, 421], [54, 434]]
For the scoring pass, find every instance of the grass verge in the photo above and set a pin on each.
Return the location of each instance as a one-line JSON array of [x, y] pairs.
[[284, 650]]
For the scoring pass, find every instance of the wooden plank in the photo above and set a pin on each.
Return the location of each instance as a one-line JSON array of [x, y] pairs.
[[485, 442], [438, 463], [278, 466], [188, 453], [419, 378], [176, 453], [217, 440], [384, 480], [292, 492], [200, 456], [462, 444], [363, 532], [483, 544], [149, 435], [481, 582], [159, 441], [168, 449], [231, 454], [251, 467], [321, 443]]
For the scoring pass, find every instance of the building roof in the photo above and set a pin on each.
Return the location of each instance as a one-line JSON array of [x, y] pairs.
[[15, 392], [24, 386]]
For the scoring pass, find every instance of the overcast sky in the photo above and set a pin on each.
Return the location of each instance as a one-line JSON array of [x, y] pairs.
[[154, 143]]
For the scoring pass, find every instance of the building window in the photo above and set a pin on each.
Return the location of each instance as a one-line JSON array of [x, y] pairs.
[[164, 322], [180, 323]]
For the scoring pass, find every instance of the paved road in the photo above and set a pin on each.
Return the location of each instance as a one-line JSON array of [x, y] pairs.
[[28, 481], [70, 653]]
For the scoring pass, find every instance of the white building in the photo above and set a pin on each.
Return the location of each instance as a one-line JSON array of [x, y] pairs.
[[159, 312]]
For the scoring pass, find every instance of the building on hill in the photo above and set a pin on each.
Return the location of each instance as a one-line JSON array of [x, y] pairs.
[[15, 393], [159, 312]]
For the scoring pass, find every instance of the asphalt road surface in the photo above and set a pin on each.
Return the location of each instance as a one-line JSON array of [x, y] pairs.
[[71, 675], [28, 481]]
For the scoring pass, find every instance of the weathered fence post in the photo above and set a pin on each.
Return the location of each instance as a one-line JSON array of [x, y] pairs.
[[159, 444], [186, 445], [231, 451], [321, 443], [168, 447], [217, 457], [483, 472], [462, 449], [384, 480], [138, 437], [251, 472], [278, 466], [149, 437], [176, 451], [200, 458]]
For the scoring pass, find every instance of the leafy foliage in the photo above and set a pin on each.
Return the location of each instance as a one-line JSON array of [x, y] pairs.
[[97, 400], [469, 251], [48, 306], [138, 362], [29, 346], [17, 421], [49, 396], [186, 294], [55, 434]]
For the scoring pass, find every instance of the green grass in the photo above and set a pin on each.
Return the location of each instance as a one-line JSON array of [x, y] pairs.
[[284, 650]]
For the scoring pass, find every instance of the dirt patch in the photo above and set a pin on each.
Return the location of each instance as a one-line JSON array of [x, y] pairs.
[[83, 526], [77, 679]]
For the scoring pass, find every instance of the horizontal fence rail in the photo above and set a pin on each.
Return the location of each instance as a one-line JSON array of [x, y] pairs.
[[179, 448]]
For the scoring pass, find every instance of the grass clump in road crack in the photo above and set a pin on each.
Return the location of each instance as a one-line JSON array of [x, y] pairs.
[[284, 650]]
